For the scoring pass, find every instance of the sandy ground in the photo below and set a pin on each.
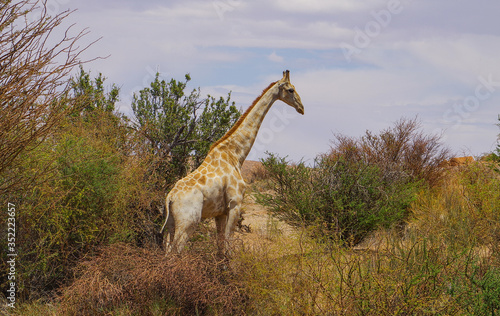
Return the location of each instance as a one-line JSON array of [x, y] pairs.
[[257, 223]]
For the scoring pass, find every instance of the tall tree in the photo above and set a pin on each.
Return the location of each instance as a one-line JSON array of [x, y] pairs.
[[92, 94], [180, 126]]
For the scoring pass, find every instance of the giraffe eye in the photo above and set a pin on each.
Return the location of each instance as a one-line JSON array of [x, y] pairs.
[[291, 90]]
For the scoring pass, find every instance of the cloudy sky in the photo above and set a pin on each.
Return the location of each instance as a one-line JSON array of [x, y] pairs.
[[358, 65]]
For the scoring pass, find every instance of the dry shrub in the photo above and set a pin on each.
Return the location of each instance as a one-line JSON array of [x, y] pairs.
[[278, 275], [137, 281], [253, 171], [399, 151], [37, 54]]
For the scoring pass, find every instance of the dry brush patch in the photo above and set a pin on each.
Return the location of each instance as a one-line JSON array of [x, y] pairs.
[[463, 209], [144, 282], [412, 276]]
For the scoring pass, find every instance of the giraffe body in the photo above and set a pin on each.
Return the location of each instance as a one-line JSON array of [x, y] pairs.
[[216, 188]]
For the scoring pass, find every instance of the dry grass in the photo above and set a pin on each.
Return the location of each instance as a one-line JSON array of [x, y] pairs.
[[463, 210], [416, 276], [131, 281]]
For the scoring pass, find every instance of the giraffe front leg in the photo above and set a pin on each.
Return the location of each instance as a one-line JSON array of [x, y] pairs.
[[221, 224], [234, 195], [234, 213], [226, 225]]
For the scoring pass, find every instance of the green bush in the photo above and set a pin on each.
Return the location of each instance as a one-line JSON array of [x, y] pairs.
[[477, 289], [93, 187], [344, 199], [360, 185], [66, 214], [361, 197]]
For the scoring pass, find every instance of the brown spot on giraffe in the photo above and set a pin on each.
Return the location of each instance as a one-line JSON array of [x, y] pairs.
[[202, 180]]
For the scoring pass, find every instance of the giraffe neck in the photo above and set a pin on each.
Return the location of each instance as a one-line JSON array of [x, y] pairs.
[[239, 141]]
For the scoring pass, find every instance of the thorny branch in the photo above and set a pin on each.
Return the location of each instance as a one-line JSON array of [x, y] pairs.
[[33, 79]]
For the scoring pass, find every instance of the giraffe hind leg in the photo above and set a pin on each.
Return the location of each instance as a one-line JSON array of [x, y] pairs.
[[170, 233], [181, 236], [187, 216]]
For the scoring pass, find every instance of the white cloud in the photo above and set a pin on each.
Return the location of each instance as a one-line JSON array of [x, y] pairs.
[[463, 57], [275, 58], [319, 6], [181, 11], [425, 61]]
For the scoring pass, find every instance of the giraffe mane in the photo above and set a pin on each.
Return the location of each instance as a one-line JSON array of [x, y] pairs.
[[242, 118]]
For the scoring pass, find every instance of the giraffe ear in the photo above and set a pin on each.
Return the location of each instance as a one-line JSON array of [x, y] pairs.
[[286, 75]]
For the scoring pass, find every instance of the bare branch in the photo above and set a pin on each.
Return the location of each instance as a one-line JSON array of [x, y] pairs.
[[33, 78]]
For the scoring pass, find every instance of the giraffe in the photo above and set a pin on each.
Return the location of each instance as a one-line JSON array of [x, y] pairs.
[[216, 188]]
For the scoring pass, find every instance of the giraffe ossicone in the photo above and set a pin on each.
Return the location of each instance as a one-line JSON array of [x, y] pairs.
[[216, 188]]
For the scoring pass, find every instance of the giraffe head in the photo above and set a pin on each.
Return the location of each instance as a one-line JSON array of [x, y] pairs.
[[288, 94]]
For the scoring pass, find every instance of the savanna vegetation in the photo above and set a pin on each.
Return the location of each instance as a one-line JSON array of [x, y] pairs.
[[362, 184], [380, 227]]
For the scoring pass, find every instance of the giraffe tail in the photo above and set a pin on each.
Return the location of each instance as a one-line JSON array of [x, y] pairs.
[[167, 214]]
